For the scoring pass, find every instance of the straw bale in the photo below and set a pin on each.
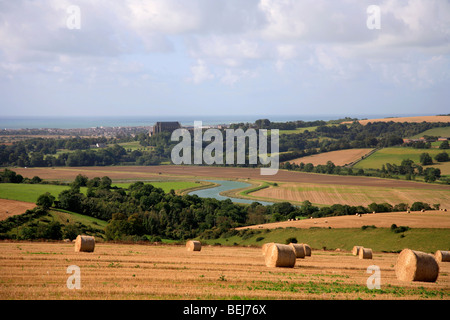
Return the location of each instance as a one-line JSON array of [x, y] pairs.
[[193, 245], [414, 265], [299, 250], [84, 244], [365, 253], [280, 255]]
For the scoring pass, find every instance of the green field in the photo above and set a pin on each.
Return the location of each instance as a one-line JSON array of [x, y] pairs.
[[435, 132], [378, 239], [298, 130], [30, 192], [395, 155], [132, 145]]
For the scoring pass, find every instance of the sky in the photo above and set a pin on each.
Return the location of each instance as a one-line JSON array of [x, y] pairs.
[[224, 57]]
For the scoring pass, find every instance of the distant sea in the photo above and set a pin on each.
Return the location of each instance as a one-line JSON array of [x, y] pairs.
[[145, 121]]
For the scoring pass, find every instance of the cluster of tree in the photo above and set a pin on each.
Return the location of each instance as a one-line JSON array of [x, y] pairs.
[[9, 176], [407, 168]]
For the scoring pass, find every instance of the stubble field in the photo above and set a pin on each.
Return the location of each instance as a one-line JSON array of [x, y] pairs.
[[339, 157], [122, 271], [354, 195]]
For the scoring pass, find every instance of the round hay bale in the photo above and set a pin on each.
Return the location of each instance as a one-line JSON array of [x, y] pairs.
[[280, 255], [355, 250], [365, 253], [84, 244], [416, 266], [299, 250], [307, 249], [265, 246], [442, 256], [193, 245]]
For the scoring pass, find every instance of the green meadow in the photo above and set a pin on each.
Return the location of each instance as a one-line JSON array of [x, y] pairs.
[[30, 192], [435, 132]]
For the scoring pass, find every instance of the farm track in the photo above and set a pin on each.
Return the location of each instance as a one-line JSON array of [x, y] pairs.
[[33, 270]]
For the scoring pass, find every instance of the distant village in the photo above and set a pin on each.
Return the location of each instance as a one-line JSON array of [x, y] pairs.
[[10, 135], [169, 126]]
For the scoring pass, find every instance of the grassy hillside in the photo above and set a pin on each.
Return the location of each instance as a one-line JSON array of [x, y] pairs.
[[436, 132], [378, 239]]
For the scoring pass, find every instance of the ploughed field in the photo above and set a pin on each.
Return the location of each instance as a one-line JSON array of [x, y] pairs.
[[38, 270]]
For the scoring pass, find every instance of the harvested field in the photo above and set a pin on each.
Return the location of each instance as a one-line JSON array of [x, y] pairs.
[[408, 119], [339, 157], [122, 271], [428, 219], [10, 208], [353, 195], [190, 172]]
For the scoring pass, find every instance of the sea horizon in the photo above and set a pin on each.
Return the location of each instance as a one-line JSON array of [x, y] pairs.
[[67, 122]]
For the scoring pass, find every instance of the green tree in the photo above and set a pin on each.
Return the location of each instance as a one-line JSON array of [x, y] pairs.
[[444, 145], [45, 200], [442, 157], [425, 159]]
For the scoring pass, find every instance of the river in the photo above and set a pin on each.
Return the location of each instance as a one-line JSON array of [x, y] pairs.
[[225, 185]]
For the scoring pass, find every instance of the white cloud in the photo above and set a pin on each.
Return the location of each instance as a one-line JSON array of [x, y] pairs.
[[200, 73]]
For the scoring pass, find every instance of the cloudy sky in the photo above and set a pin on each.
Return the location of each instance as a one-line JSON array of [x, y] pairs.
[[217, 57]]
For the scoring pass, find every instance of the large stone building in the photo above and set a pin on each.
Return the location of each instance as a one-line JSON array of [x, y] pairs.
[[167, 126]]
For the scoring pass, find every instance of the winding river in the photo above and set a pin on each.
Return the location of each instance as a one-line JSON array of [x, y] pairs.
[[225, 185]]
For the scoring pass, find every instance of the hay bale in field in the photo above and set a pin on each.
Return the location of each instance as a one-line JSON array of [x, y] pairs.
[[265, 246], [307, 249], [193, 245], [299, 250], [84, 244], [414, 265], [365, 253], [442, 256], [280, 255], [355, 250]]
